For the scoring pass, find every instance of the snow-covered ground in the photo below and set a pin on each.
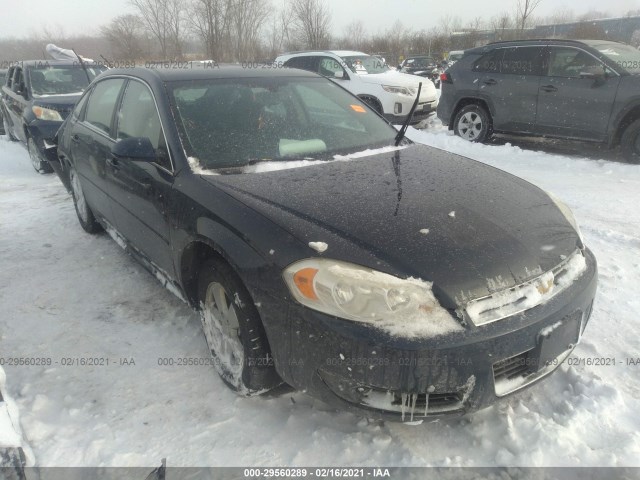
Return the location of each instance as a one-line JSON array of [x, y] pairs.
[[67, 295]]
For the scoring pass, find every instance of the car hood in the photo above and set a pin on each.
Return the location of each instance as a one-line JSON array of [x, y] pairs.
[[396, 78], [418, 212]]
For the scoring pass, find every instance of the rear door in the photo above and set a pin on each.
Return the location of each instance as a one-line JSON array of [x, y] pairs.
[[141, 189], [510, 81], [576, 95], [17, 103], [92, 137]]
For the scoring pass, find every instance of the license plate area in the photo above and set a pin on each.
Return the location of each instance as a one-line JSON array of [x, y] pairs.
[[557, 339]]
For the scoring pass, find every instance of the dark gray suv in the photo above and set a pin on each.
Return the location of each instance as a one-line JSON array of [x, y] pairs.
[[585, 90]]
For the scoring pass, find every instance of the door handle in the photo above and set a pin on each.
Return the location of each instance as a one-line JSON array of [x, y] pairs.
[[490, 81], [113, 163], [548, 88]]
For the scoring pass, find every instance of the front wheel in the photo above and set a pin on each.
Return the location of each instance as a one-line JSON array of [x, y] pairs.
[[85, 216], [630, 143], [40, 165], [7, 130], [473, 123], [234, 331]]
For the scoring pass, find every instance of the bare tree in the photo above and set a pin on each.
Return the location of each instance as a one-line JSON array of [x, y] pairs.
[[524, 10], [210, 20], [501, 25], [247, 20], [123, 35], [312, 21], [357, 34], [164, 20]]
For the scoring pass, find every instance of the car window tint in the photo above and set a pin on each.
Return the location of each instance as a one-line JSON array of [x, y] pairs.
[[77, 110], [329, 67], [102, 104], [138, 118], [490, 62], [303, 63], [571, 62], [522, 61], [18, 80]]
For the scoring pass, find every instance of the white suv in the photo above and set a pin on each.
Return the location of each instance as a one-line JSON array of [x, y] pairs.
[[389, 92]]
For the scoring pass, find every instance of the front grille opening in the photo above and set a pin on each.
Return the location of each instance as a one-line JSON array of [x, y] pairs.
[[413, 405], [513, 367]]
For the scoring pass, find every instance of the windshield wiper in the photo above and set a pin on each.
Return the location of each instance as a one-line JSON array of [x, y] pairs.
[[404, 128]]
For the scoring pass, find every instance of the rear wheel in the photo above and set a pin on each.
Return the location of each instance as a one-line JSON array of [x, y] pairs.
[[473, 123], [234, 331], [40, 165], [630, 143], [85, 215]]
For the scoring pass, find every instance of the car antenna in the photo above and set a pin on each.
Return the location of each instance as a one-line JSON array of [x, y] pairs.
[[84, 67], [404, 128]]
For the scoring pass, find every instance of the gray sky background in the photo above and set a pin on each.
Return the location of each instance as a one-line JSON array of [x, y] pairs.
[[83, 16]]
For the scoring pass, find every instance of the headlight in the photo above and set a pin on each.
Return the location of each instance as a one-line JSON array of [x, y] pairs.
[[357, 293], [400, 90], [568, 214], [42, 113]]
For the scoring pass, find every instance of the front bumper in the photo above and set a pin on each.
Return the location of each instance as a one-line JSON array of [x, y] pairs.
[[365, 371]]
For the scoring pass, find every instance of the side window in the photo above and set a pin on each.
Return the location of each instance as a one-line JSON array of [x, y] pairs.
[[570, 63], [77, 110], [522, 61], [102, 103], [329, 67], [490, 62], [17, 84], [10, 76], [304, 63], [138, 117]]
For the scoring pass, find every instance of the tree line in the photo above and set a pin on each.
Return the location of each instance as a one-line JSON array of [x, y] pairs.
[[259, 30]]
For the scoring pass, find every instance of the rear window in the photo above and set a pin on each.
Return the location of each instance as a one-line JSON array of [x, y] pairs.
[[489, 62]]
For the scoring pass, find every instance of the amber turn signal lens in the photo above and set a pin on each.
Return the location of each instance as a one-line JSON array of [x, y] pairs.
[[304, 281]]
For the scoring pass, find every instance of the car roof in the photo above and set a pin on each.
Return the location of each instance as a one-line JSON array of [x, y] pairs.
[[339, 53], [538, 41], [53, 63], [197, 72]]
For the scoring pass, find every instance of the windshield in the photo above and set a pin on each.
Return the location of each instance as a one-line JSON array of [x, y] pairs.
[[419, 62], [61, 79], [625, 56], [234, 122], [366, 64], [454, 57]]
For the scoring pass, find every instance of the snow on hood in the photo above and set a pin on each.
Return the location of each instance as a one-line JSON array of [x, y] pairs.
[[272, 166]]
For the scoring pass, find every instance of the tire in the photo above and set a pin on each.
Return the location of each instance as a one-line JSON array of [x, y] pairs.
[[630, 143], [234, 331], [473, 123], [85, 216], [7, 130], [39, 165], [373, 103]]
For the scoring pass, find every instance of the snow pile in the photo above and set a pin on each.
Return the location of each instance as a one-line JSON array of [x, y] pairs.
[[66, 294], [10, 431], [319, 247]]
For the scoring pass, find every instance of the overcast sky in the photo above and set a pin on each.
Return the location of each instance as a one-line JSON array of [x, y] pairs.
[[83, 16]]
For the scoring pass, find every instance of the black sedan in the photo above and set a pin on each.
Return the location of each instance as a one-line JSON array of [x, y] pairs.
[[402, 282], [36, 97]]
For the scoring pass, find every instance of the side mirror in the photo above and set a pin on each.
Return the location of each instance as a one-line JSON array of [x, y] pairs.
[[134, 148], [599, 78], [339, 74]]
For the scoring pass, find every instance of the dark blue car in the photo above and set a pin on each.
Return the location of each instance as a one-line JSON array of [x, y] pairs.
[[36, 97]]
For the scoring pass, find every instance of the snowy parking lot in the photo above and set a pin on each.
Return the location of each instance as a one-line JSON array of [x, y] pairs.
[[66, 296]]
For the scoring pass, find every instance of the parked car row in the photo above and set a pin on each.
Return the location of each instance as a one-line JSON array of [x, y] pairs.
[[406, 283], [585, 90]]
